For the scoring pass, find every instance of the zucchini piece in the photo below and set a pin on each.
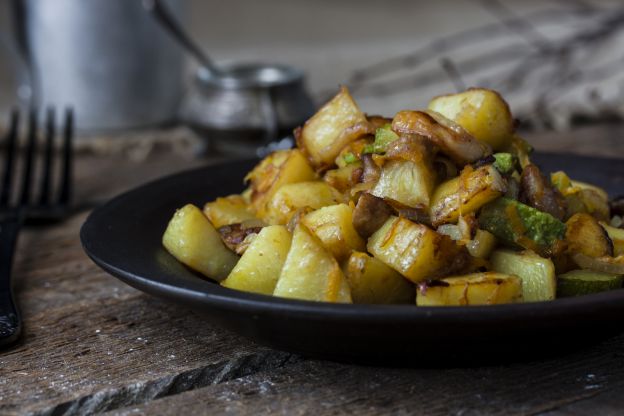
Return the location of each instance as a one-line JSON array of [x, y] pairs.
[[537, 273], [373, 282], [518, 224], [472, 289], [585, 282], [617, 237], [505, 162]]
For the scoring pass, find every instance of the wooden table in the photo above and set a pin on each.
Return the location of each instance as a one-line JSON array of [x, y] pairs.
[[93, 344]]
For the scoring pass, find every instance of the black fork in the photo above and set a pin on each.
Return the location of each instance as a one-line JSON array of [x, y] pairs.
[[48, 203]]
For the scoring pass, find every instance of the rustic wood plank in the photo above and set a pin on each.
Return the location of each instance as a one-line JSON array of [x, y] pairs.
[[92, 357], [325, 388]]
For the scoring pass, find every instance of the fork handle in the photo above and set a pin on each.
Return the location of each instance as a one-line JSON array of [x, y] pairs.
[[10, 321]]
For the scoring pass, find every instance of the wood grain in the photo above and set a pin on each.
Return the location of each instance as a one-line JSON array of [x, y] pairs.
[[585, 379]]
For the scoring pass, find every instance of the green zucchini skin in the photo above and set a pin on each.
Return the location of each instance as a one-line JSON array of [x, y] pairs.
[[585, 282]]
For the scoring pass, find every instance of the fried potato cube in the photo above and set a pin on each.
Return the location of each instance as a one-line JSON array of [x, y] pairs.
[[415, 250], [325, 134], [333, 225], [228, 210], [311, 272], [273, 172], [192, 240], [343, 179], [482, 112], [371, 281], [406, 182], [466, 193], [259, 268], [585, 235], [292, 197], [537, 273], [473, 289]]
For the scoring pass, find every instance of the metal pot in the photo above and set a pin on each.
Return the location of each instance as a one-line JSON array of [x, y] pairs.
[[250, 105]]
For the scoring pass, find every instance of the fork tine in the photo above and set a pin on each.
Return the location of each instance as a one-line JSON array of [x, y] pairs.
[[28, 162], [44, 191], [66, 180], [9, 163]]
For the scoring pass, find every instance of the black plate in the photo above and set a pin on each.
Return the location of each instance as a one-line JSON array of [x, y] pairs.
[[123, 237]]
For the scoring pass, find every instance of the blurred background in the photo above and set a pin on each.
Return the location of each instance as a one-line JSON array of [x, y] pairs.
[[558, 63]]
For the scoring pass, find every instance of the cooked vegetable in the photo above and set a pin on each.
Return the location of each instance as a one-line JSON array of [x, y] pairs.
[[586, 236], [371, 281], [617, 238], [344, 178], [231, 209], [276, 170], [450, 137], [518, 224], [337, 123], [192, 240], [333, 225], [291, 197], [311, 272], [370, 214], [483, 113], [415, 250], [259, 268], [538, 193], [367, 206], [537, 273], [585, 282], [473, 289], [504, 162], [465, 194], [406, 182]]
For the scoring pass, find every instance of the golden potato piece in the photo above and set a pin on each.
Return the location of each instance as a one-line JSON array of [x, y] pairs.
[[325, 134], [465, 194], [371, 281], [273, 172], [585, 235], [617, 237], [311, 272], [406, 182], [292, 197], [415, 250], [333, 225], [482, 112], [192, 240], [473, 289], [259, 268], [228, 210]]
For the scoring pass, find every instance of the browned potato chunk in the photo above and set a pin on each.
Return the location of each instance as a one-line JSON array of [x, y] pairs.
[[465, 194], [406, 182], [192, 240], [585, 235], [311, 272], [228, 210], [473, 289], [292, 197], [371, 281], [332, 128], [259, 268], [273, 172], [415, 250], [333, 225], [482, 112]]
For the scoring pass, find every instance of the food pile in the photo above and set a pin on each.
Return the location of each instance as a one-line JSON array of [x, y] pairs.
[[435, 207]]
